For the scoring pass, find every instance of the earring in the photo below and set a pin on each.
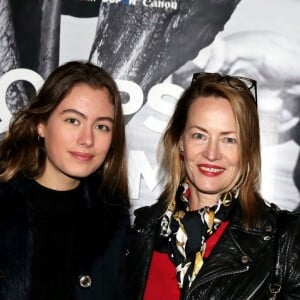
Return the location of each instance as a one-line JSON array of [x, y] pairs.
[[181, 155], [40, 140]]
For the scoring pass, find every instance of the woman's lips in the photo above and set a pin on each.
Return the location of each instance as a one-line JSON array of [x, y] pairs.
[[81, 156], [210, 170]]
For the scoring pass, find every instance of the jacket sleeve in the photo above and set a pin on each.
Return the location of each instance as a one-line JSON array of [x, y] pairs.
[[290, 257]]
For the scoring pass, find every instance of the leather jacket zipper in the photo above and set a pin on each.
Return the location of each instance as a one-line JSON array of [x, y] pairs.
[[245, 269], [258, 287]]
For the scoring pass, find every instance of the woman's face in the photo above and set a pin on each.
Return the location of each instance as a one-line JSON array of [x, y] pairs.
[[211, 148], [77, 136]]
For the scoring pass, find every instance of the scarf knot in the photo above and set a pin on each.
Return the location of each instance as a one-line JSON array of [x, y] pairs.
[[187, 231]]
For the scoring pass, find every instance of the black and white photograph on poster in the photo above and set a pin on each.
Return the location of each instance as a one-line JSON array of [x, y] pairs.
[[152, 48]]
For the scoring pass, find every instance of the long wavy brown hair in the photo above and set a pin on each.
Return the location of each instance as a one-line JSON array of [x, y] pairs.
[[21, 152], [243, 104]]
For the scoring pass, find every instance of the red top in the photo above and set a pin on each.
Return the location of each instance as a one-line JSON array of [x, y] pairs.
[[162, 283]]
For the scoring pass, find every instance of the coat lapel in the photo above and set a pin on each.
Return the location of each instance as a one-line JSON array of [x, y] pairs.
[[236, 252]]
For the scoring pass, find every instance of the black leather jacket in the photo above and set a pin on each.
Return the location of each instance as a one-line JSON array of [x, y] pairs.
[[240, 265]]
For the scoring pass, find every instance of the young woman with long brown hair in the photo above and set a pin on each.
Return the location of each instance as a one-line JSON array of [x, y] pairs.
[[63, 190]]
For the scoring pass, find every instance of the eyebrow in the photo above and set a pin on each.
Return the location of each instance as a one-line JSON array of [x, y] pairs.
[[222, 133], [85, 117]]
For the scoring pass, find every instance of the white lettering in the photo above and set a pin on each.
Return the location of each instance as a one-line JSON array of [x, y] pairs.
[[138, 165], [146, 2], [167, 4], [136, 96], [160, 4], [149, 3], [5, 81], [157, 97]]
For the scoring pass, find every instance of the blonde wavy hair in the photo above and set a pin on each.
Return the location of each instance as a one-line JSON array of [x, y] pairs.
[[243, 104]]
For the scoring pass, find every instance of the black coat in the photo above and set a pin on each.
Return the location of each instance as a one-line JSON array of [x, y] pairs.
[[101, 248], [239, 266]]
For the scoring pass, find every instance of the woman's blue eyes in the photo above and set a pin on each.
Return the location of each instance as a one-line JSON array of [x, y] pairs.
[[203, 137], [229, 140], [198, 136]]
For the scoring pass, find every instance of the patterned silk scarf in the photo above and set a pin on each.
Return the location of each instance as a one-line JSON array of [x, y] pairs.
[[187, 231]]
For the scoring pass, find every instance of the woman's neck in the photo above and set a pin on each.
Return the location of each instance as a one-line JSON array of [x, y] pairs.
[[62, 184], [199, 200]]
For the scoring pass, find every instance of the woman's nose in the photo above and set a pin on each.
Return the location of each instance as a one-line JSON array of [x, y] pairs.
[[85, 137], [212, 151]]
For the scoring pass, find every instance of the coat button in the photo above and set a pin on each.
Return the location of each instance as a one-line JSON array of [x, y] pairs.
[[85, 281], [269, 228], [245, 259]]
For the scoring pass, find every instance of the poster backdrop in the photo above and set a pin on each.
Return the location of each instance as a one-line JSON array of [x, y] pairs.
[[152, 48]]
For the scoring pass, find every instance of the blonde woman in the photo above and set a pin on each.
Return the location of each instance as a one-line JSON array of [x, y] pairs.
[[211, 235]]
